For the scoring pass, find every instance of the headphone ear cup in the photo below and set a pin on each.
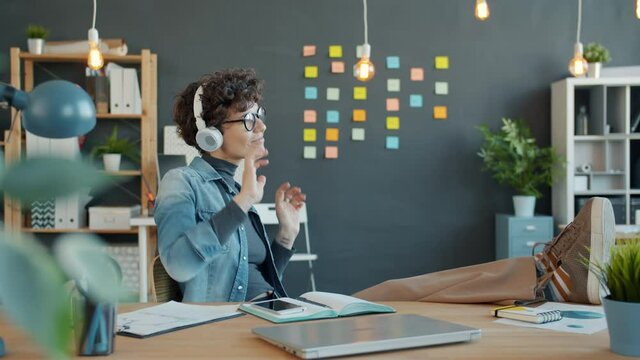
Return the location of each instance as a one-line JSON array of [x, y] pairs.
[[209, 139]]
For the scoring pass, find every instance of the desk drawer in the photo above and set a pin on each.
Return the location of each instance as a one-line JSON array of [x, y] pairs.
[[532, 227], [521, 246]]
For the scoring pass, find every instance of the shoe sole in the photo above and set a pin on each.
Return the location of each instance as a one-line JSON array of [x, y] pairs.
[[602, 238]]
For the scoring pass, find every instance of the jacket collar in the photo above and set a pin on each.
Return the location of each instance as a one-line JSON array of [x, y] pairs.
[[206, 171]]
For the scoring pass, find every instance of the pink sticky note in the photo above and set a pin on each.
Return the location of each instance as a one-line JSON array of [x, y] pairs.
[[393, 104], [331, 152], [417, 74], [309, 116], [308, 50], [337, 67]]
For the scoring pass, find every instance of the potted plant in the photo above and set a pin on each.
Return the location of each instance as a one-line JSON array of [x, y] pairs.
[[620, 277], [36, 34], [113, 149], [596, 55], [515, 159]]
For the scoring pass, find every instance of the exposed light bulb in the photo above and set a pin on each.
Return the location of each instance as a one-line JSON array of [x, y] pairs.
[[364, 69], [578, 66], [482, 10], [638, 9], [95, 61]]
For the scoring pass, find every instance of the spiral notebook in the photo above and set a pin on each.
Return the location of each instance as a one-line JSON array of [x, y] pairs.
[[528, 314]]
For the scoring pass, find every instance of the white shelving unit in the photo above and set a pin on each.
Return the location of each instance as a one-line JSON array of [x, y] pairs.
[[610, 147]]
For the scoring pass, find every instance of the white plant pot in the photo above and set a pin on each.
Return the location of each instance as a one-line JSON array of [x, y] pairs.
[[524, 205], [35, 46], [594, 70], [112, 161]]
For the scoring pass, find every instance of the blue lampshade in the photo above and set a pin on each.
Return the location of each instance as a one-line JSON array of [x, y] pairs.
[[54, 109]]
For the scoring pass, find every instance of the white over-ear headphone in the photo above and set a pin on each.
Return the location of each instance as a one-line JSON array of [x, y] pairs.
[[208, 138]]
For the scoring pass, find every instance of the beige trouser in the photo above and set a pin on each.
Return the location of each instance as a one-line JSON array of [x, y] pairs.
[[495, 282]]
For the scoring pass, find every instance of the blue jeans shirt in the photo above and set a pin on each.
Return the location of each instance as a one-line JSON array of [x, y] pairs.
[[207, 268]]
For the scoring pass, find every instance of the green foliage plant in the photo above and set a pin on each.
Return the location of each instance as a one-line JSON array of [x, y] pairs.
[[595, 53], [514, 158], [114, 145], [621, 275], [37, 32]]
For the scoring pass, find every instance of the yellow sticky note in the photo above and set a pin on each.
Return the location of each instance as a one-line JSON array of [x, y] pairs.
[[442, 62], [393, 104], [309, 135], [440, 112], [359, 115], [331, 152], [359, 93], [335, 51], [308, 50], [337, 67], [310, 116], [332, 134], [393, 123], [417, 74], [311, 72]]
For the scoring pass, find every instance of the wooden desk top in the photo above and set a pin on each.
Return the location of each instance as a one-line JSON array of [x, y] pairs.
[[233, 339]]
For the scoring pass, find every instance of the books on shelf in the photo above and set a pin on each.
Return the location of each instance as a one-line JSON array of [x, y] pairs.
[[528, 314], [318, 305], [107, 46]]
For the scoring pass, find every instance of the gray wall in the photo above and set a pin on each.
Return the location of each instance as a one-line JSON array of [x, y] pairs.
[[375, 214]]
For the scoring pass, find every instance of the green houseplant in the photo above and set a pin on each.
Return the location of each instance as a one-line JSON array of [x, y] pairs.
[[514, 159], [36, 35], [596, 55], [620, 277], [113, 149]]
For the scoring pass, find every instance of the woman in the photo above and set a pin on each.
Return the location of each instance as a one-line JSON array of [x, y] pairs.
[[210, 238]]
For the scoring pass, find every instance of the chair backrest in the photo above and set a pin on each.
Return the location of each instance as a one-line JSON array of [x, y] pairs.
[[163, 287], [267, 213]]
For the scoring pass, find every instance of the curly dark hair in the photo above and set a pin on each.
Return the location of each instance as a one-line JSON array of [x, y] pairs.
[[223, 91]]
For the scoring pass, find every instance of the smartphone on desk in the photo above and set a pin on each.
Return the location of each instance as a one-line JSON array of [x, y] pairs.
[[280, 307]]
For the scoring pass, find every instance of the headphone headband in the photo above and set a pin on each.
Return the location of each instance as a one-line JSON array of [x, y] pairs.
[[197, 108]]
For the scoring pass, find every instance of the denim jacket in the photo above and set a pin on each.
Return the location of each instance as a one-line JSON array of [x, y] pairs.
[[189, 247]]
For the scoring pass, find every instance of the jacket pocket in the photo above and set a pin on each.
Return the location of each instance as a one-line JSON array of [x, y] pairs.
[[205, 215]]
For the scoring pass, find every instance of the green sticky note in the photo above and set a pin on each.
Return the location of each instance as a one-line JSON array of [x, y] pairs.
[[393, 85], [309, 152], [357, 134], [359, 93], [333, 94], [442, 88]]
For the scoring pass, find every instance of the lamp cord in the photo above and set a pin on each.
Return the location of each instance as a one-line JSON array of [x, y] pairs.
[[579, 20], [95, 5], [366, 26]]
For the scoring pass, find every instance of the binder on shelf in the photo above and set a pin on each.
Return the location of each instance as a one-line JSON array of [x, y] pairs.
[[116, 99], [43, 213], [132, 102]]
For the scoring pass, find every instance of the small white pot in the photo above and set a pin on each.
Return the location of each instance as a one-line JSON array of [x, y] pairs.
[[594, 70], [112, 161], [35, 46], [524, 205]]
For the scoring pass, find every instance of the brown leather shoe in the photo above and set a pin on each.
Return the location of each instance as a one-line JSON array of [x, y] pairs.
[[590, 235]]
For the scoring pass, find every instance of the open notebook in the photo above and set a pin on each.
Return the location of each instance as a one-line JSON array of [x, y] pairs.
[[319, 305]]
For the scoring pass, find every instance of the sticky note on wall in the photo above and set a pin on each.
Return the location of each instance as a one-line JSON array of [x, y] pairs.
[[415, 100], [440, 112], [310, 72], [310, 116], [357, 134], [359, 93], [308, 50], [393, 123], [333, 94], [337, 67], [392, 142], [393, 62], [359, 115], [333, 116], [311, 93], [309, 135], [331, 152], [442, 88], [393, 104], [417, 74], [442, 62], [393, 85], [309, 152], [335, 51], [332, 134]]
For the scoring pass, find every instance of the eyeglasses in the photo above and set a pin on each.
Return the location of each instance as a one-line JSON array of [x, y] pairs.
[[249, 119]]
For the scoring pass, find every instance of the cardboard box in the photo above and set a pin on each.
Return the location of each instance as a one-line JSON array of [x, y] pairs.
[[112, 217]]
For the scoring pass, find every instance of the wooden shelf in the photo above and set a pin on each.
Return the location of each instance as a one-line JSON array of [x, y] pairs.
[[603, 192], [78, 58], [122, 173], [120, 116], [82, 230]]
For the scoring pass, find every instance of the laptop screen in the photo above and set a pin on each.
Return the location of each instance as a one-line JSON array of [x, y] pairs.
[[167, 162]]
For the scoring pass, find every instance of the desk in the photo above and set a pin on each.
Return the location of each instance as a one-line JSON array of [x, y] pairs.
[[233, 339], [143, 223]]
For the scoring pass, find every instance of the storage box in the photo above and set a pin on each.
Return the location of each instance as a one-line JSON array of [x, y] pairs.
[[581, 183], [112, 217]]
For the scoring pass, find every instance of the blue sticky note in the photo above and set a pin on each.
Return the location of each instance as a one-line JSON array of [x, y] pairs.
[[310, 92], [393, 142], [393, 62], [415, 100], [333, 116]]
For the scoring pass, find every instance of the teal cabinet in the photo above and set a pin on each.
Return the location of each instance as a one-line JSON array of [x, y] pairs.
[[515, 236]]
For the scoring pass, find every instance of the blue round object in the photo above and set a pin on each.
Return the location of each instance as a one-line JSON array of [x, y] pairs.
[[59, 109]]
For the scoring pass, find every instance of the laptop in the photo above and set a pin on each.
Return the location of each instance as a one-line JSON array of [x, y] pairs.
[[364, 334]]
